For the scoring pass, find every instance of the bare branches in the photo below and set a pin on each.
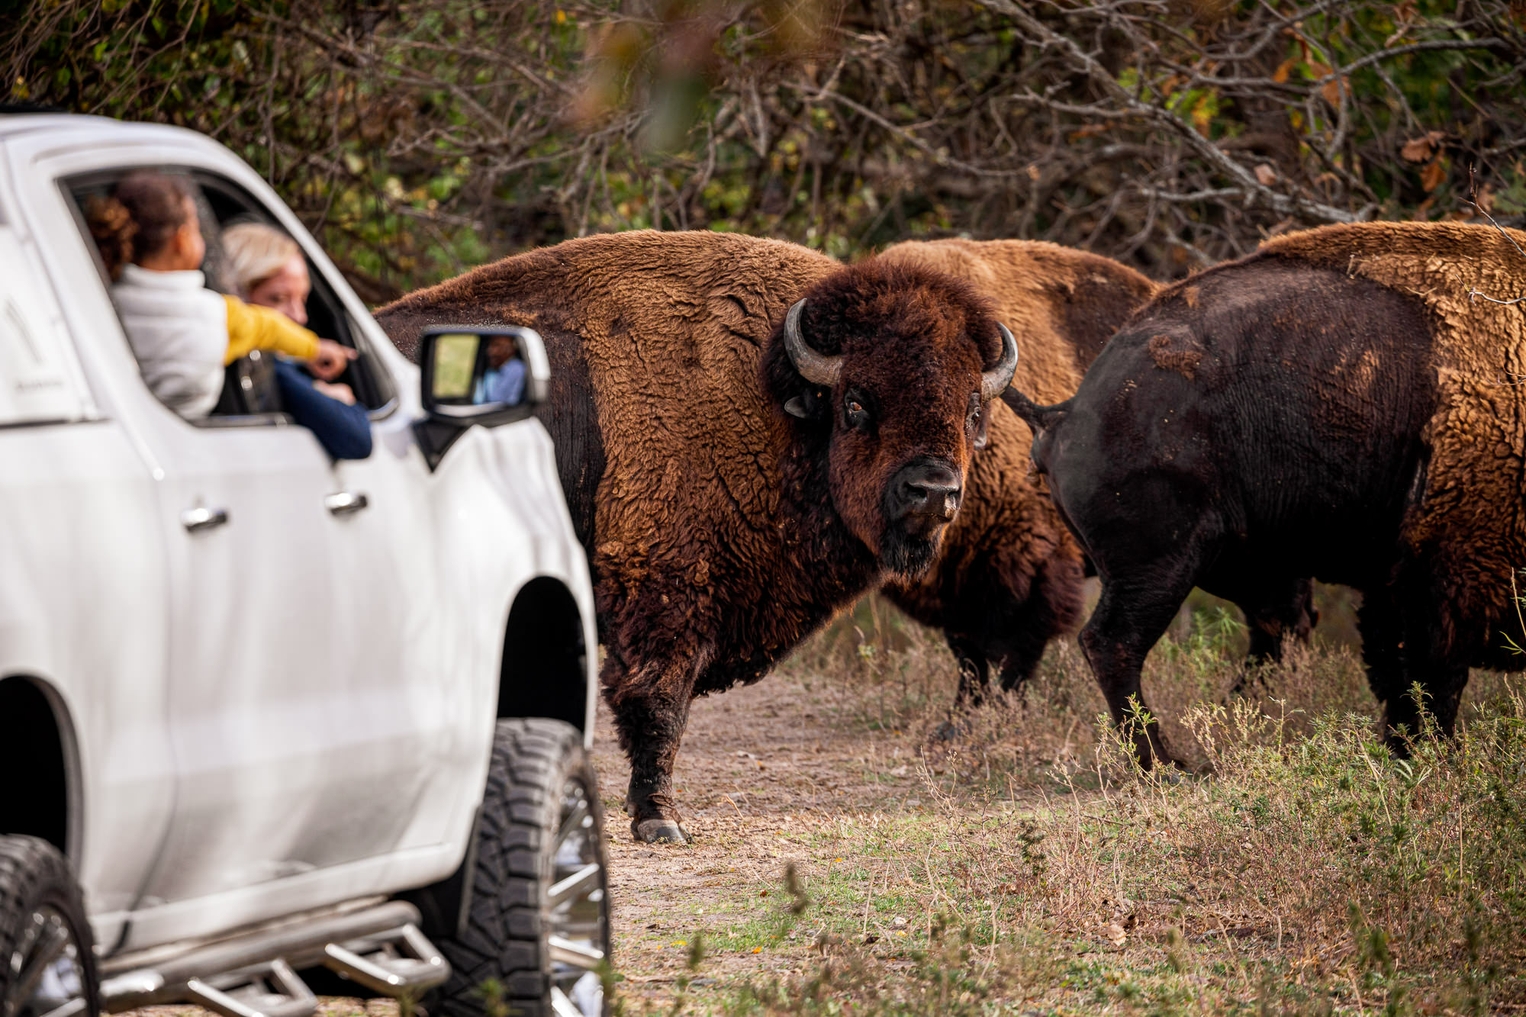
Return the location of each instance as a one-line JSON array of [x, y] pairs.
[[1247, 187], [430, 134]]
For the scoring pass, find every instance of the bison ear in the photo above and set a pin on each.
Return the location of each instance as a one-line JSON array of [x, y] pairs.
[[983, 429], [807, 405]]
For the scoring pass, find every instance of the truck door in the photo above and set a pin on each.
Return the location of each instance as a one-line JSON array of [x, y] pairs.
[[82, 593]]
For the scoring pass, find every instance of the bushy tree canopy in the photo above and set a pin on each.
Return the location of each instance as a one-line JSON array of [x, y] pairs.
[[420, 137]]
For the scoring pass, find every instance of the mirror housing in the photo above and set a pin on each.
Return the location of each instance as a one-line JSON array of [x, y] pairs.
[[471, 375]]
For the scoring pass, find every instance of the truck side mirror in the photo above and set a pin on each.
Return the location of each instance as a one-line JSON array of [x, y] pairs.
[[472, 375]]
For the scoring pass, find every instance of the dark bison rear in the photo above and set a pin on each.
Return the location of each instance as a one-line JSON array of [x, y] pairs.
[[1336, 405], [1009, 577]]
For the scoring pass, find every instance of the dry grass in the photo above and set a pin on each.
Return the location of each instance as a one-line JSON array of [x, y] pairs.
[[1035, 871]]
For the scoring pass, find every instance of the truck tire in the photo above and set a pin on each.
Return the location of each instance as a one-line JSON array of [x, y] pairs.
[[46, 962], [536, 938]]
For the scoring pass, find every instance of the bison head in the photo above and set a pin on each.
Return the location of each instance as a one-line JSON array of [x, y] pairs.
[[887, 371]]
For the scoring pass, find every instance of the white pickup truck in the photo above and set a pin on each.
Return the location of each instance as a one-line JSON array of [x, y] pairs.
[[269, 720]]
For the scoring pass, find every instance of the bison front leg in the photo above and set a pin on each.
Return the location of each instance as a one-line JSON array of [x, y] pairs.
[[1052, 608], [1442, 631], [650, 705]]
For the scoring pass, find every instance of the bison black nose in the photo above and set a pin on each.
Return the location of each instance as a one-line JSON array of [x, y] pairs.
[[924, 491]]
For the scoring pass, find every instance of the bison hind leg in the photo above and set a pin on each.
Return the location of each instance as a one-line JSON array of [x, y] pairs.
[[1276, 614], [974, 672], [1130, 618], [1283, 611]]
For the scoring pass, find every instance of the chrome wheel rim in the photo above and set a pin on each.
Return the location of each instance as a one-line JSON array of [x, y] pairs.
[[45, 975], [578, 905]]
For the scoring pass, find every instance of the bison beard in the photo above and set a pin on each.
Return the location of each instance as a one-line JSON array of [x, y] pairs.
[[739, 503], [1008, 577], [1347, 415], [906, 556]]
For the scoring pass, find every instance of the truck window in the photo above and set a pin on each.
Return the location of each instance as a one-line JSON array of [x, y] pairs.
[[37, 381], [249, 393]]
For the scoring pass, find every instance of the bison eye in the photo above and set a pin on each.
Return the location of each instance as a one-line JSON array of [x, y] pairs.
[[855, 413], [975, 421]]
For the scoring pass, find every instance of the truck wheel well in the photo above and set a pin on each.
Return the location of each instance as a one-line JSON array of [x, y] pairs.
[[32, 744], [543, 672]]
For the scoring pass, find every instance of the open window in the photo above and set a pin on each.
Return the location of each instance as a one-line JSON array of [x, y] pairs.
[[249, 395]]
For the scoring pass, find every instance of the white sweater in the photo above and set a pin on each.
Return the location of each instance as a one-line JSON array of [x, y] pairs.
[[179, 332]]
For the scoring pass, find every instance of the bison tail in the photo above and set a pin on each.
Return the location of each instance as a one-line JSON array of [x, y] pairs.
[[1038, 418]]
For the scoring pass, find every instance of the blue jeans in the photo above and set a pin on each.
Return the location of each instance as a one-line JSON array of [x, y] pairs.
[[343, 431]]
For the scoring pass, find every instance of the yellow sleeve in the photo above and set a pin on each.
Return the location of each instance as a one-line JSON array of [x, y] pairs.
[[251, 327]]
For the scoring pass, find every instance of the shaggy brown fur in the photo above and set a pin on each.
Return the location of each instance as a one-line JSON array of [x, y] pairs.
[[724, 530], [1009, 578]]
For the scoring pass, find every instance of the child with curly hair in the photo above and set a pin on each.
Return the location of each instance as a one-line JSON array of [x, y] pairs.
[[182, 333]]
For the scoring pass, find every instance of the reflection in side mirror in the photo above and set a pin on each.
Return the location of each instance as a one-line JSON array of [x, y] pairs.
[[478, 370], [455, 359], [482, 376], [471, 374]]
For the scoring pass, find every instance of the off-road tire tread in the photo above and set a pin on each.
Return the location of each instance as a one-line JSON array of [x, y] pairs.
[[531, 760], [34, 872]]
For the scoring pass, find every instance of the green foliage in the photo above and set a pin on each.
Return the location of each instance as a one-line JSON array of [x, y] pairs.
[[422, 139]]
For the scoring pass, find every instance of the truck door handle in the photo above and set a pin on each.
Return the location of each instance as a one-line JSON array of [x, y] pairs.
[[345, 503], [200, 518]]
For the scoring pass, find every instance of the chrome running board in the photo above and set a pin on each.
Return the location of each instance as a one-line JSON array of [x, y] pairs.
[[254, 975], [266, 990], [378, 963]]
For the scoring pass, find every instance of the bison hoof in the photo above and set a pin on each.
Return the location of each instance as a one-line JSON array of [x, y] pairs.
[[659, 831], [949, 731]]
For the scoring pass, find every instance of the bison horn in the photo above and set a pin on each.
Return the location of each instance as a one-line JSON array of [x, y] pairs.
[[816, 368], [995, 381]]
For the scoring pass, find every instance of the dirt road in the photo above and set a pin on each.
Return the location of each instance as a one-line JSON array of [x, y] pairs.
[[763, 776]]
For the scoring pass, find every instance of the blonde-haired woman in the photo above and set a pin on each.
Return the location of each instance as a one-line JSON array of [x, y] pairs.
[[269, 270]]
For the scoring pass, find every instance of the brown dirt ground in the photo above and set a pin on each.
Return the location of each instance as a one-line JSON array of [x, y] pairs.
[[764, 772]]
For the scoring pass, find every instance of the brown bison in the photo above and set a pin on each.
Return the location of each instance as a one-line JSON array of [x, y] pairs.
[[750, 435], [1009, 576], [1345, 403]]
